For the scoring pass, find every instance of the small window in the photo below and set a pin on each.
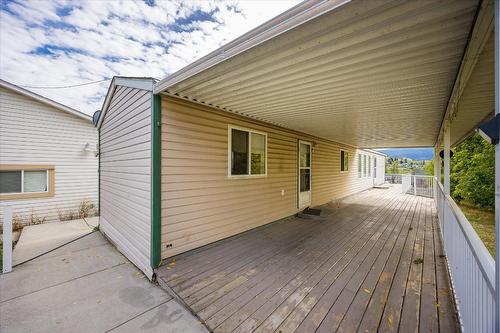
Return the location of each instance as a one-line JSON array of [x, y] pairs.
[[359, 166], [10, 181], [239, 152], [257, 154], [26, 182], [369, 166], [248, 152], [35, 181], [344, 161], [23, 181]]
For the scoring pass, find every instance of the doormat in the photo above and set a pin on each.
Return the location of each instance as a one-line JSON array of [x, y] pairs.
[[312, 211]]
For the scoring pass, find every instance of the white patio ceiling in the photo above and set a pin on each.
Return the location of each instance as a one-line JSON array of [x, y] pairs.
[[366, 73]]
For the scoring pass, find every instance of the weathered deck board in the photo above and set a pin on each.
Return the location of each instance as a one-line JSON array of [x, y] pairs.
[[293, 311], [447, 316], [411, 304], [286, 286], [428, 299], [382, 271], [282, 303], [355, 269]]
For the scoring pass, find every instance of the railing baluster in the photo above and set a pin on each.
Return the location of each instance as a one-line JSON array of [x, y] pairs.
[[470, 265]]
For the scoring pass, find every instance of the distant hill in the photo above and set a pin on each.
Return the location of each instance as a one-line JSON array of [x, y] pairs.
[[413, 153]]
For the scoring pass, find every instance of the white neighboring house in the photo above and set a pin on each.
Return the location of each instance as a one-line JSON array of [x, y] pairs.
[[48, 163]]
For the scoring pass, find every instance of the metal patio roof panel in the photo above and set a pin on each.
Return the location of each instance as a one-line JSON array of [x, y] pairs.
[[369, 73]]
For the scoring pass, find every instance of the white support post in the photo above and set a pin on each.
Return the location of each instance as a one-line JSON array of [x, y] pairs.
[[437, 169], [497, 168], [7, 239], [437, 162], [414, 185], [447, 157]]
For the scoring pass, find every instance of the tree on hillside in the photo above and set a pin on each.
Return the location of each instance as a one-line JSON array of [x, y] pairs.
[[429, 168], [473, 173], [393, 167]]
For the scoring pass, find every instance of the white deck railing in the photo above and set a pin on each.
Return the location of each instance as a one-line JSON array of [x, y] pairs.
[[471, 267], [393, 178], [406, 184], [418, 185]]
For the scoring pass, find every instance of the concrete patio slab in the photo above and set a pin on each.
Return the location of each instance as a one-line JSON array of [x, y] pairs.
[[169, 317], [88, 255], [87, 286], [38, 239]]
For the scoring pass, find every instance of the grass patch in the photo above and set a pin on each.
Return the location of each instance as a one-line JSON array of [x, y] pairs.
[[483, 221], [85, 209], [418, 261]]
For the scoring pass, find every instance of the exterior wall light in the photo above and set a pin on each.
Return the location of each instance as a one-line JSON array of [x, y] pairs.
[[441, 154]]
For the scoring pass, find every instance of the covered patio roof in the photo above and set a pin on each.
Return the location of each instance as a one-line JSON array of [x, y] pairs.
[[366, 73]]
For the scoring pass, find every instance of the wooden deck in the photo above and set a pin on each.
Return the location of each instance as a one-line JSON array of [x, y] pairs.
[[372, 263]]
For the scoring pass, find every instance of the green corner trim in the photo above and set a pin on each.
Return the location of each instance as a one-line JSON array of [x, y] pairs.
[[156, 182]]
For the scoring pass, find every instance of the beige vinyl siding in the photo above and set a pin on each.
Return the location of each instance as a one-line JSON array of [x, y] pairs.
[[32, 133], [200, 204], [125, 174], [328, 183]]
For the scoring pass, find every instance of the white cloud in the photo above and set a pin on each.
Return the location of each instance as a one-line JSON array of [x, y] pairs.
[[56, 43]]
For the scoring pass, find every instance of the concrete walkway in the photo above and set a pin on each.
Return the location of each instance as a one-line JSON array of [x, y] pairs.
[[38, 239], [87, 286]]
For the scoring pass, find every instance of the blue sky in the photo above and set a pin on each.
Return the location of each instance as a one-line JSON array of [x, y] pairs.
[[57, 43], [413, 153]]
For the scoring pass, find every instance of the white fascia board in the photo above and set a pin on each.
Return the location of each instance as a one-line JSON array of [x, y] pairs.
[[134, 82], [483, 27], [143, 83], [288, 20], [107, 100], [375, 152], [44, 100]]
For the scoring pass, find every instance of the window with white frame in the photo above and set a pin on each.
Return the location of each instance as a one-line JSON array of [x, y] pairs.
[[359, 165], [344, 161], [364, 165], [247, 152], [369, 166], [24, 181]]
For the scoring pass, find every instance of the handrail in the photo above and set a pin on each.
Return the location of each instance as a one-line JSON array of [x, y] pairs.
[[486, 261], [471, 267]]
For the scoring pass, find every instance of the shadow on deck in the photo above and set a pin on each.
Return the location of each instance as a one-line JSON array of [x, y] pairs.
[[371, 263]]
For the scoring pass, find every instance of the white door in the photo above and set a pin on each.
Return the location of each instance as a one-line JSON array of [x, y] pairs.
[[304, 174]]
